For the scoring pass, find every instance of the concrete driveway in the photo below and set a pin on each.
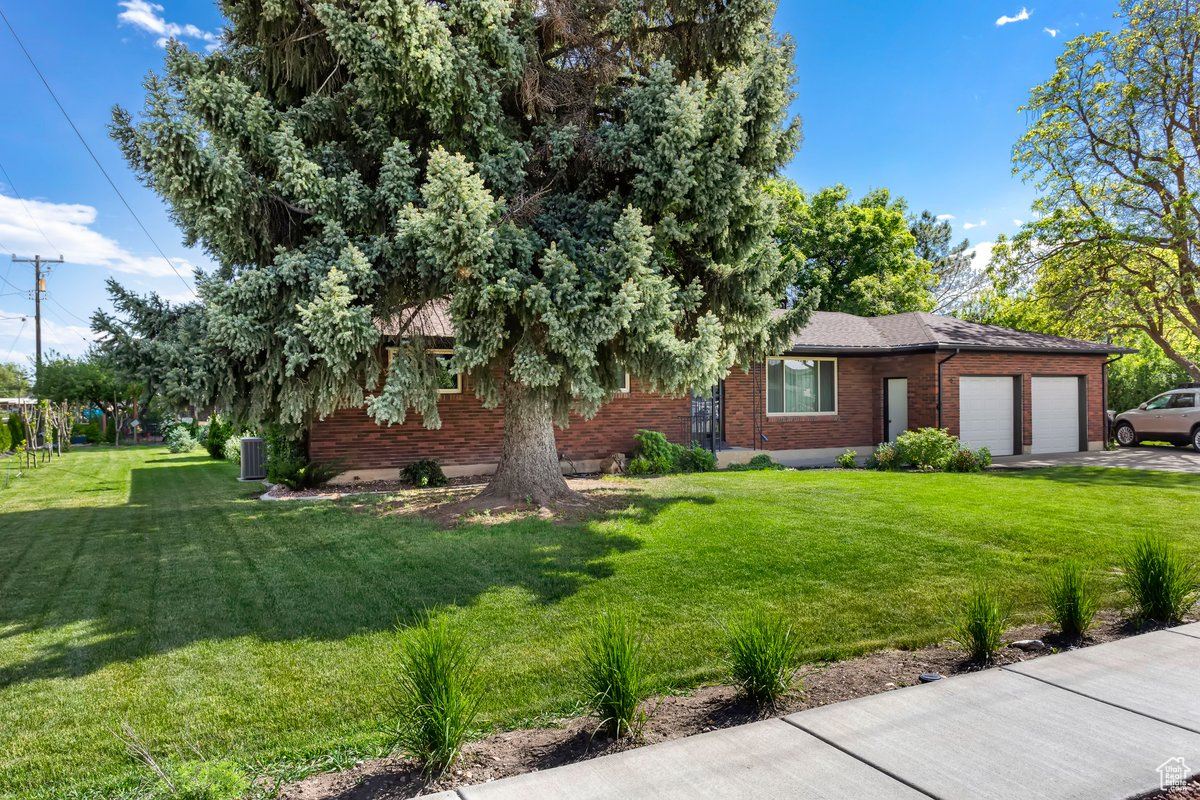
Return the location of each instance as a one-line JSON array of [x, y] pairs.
[[1165, 459]]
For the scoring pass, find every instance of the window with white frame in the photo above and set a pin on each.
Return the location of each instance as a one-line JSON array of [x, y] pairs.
[[797, 385], [449, 382], [624, 383]]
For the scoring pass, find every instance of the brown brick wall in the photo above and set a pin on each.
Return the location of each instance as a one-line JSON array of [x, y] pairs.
[[471, 434], [1028, 366], [859, 419]]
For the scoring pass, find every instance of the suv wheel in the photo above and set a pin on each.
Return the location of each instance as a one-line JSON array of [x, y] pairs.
[[1125, 435], [1196, 438]]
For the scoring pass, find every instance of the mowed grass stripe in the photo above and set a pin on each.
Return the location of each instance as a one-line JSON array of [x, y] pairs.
[[262, 632]]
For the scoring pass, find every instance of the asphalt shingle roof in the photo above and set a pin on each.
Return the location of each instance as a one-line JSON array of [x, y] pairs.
[[918, 330]]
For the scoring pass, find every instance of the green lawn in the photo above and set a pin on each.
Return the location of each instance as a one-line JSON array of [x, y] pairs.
[[144, 588]]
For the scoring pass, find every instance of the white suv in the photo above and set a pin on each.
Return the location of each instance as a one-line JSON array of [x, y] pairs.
[[1172, 416]]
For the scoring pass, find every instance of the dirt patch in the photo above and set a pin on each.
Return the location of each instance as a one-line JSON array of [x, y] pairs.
[[1189, 792], [674, 716]]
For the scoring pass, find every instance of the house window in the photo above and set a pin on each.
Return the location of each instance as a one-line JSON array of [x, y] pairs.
[[801, 386], [448, 382], [624, 383]]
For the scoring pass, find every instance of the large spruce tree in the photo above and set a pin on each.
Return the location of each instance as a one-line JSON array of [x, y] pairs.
[[579, 180]]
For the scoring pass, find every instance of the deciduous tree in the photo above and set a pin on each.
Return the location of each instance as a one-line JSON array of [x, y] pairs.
[[580, 180], [1114, 148]]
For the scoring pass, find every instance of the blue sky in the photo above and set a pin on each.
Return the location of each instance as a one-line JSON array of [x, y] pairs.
[[919, 97]]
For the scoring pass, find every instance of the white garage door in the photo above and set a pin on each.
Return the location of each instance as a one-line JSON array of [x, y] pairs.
[[985, 414], [1055, 415]]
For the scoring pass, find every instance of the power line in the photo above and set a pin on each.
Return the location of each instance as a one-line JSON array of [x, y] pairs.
[[87, 147], [52, 299], [25, 206], [17, 338]]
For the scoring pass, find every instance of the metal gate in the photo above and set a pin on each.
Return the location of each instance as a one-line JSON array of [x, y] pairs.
[[705, 426]]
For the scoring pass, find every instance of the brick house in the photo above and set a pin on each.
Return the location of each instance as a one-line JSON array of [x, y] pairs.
[[844, 382]]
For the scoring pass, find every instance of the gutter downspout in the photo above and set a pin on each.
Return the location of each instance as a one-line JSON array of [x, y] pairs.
[[942, 362], [1104, 394]]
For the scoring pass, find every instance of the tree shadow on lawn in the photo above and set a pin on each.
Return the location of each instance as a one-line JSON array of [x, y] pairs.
[[178, 565], [1106, 476]]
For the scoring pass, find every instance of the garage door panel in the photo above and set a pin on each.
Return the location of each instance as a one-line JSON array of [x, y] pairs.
[[1057, 422], [987, 413]]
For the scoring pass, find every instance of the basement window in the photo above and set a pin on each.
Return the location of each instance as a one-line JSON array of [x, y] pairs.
[[799, 386]]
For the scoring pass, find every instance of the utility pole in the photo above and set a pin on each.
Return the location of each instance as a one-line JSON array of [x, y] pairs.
[[39, 288]]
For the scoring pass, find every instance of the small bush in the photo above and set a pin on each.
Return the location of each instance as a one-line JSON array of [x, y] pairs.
[[615, 674], [179, 440], [762, 651], [927, 449], [424, 473], [1071, 599], [202, 780], [886, 458], [1162, 584], [6, 443], [233, 447], [218, 432], [967, 460], [847, 460], [437, 696], [301, 475], [759, 462], [655, 455], [979, 623], [697, 459], [16, 430]]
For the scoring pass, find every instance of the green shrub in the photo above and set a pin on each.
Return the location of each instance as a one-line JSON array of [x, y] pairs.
[[424, 473], [201, 780], [301, 475], [232, 450], [979, 623], [16, 429], [655, 455], [927, 449], [6, 442], [847, 460], [218, 432], [179, 440], [1161, 583], [697, 459], [614, 674], [437, 695], [762, 650], [285, 453], [1071, 598], [967, 460], [886, 458], [759, 462]]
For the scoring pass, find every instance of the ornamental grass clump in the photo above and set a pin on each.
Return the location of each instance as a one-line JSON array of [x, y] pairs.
[[763, 650], [1072, 599], [1162, 584], [614, 674], [979, 623], [437, 694]]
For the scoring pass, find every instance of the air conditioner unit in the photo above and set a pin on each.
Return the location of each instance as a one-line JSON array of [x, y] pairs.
[[254, 458]]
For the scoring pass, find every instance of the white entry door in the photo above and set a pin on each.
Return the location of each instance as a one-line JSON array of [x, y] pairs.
[[986, 414], [897, 407], [1056, 418]]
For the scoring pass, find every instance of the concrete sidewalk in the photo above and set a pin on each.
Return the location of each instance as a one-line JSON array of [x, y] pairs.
[[1091, 724]]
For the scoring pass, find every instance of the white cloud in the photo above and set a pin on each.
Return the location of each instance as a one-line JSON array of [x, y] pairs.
[[982, 255], [148, 16], [969, 225], [944, 217], [68, 227], [1052, 31], [1018, 222], [17, 336], [1021, 16]]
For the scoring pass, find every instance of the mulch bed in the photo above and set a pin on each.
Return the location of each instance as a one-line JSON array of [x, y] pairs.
[[674, 716], [1189, 792]]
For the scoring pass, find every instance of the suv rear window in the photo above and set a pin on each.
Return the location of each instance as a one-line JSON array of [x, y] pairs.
[[1183, 400]]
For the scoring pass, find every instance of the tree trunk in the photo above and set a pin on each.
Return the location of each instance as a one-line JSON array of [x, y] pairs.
[[528, 468]]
